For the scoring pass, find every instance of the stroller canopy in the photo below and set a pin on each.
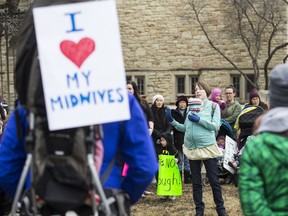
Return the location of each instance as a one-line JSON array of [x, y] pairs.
[[225, 129]]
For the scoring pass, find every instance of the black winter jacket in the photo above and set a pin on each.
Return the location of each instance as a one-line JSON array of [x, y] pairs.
[[178, 136], [170, 148]]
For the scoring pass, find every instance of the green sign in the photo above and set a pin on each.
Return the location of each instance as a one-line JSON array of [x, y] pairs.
[[169, 179]]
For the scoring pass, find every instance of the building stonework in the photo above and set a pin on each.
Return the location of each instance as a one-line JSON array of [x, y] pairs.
[[161, 41], [164, 37], [7, 90], [7, 49]]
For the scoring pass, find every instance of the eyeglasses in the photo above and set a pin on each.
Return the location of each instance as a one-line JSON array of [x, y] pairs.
[[228, 93]]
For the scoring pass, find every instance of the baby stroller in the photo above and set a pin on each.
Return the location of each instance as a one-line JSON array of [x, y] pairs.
[[225, 129], [225, 177]]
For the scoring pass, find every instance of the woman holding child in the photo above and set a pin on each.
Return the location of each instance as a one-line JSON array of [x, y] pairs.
[[200, 145]]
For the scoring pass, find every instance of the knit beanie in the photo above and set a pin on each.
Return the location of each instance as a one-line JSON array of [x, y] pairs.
[[158, 96], [214, 93], [195, 104], [278, 86], [181, 98], [253, 93]]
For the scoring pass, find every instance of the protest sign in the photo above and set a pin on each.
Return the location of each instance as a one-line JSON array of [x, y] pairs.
[[230, 150], [169, 179], [81, 64]]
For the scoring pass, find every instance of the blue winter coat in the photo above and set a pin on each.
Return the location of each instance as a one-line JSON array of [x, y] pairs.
[[12, 153], [130, 137]]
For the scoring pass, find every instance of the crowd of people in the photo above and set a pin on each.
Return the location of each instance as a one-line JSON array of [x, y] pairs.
[[189, 132], [194, 125], [127, 156]]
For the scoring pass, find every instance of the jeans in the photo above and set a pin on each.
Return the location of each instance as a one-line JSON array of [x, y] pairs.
[[183, 159], [212, 174]]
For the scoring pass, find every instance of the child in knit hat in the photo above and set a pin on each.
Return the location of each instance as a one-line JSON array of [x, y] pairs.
[[195, 104], [216, 96]]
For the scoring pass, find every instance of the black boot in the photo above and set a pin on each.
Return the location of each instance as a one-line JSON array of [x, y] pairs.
[[187, 177]]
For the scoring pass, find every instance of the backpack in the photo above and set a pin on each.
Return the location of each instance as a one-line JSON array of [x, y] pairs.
[[63, 174]]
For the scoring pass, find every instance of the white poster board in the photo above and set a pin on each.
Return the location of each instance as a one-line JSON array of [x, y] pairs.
[[82, 65], [230, 150]]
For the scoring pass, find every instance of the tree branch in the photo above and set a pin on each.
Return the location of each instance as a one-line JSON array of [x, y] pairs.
[[214, 47]]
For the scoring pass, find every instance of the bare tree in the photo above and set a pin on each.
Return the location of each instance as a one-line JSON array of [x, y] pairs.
[[255, 23]]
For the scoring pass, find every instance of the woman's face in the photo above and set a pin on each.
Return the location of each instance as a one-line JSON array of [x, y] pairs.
[[158, 103], [130, 88], [229, 94], [255, 101], [218, 97], [200, 92], [182, 105]]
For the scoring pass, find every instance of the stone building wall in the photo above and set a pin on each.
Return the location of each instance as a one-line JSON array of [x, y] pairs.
[[24, 4], [7, 54], [161, 39], [10, 24], [163, 36]]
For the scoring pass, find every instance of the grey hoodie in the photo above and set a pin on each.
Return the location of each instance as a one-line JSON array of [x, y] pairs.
[[275, 120]]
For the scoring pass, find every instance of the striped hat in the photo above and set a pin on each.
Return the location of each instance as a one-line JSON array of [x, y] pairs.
[[195, 104]]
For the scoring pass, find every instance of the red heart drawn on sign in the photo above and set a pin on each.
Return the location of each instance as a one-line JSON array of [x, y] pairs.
[[77, 52]]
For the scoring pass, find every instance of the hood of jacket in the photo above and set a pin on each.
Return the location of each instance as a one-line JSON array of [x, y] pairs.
[[275, 120]]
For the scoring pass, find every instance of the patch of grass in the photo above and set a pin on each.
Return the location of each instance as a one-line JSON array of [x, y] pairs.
[[152, 205]]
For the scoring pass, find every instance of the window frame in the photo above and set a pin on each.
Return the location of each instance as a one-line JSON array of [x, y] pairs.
[[236, 85], [136, 79], [192, 83], [183, 84], [248, 86], [140, 81]]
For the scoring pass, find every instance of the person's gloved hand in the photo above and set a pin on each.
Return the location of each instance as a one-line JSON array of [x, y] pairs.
[[169, 115], [194, 117]]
